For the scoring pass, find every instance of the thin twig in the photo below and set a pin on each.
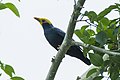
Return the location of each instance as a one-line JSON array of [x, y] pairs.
[[96, 48], [87, 21], [118, 35]]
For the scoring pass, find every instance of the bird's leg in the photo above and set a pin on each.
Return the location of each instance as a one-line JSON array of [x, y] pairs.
[[58, 47], [53, 59]]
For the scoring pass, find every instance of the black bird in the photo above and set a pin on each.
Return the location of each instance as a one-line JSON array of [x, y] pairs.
[[55, 37]]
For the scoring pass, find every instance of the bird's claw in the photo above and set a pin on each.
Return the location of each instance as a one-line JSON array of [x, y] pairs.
[[53, 59], [58, 47]]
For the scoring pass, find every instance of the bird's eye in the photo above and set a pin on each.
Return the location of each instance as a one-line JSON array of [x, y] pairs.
[[43, 21]]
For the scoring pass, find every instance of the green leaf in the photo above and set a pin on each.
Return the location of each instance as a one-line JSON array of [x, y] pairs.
[[86, 13], [9, 70], [17, 78], [78, 33], [100, 27], [2, 6], [115, 59], [103, 24], [106, 63], [118, 78], [99, 53], [12, 8], [85, 39], [91, 32], [118, 6], [98, 78], [105, 21], [101, 38], [113, 23], [85, 51], [91, 72], [110, 35], [96, 59], [91, 41], [116, 30], [106, 11], [114, 72], [92, 16], [83, 28], [83, 34], [112, 46]]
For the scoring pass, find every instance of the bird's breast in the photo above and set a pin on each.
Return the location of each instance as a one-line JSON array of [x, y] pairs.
[[54, 39]]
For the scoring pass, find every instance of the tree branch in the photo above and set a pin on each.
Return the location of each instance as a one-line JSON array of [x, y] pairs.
[[118, 35], [96, 48], [66, 42]]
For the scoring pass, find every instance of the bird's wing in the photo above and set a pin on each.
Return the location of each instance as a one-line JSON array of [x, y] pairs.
[[60, 32]]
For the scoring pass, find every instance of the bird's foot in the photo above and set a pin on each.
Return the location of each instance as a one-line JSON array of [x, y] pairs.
[[53, 59], [58, 47]]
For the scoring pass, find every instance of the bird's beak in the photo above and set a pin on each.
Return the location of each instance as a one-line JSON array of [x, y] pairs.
[[38, 19]]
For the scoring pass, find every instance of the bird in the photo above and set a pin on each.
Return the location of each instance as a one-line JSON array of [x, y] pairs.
[[55, 38]]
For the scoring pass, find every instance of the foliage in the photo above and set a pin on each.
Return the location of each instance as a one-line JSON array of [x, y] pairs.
[[9, 71], [5, 67], [104, 35], [10, 6]]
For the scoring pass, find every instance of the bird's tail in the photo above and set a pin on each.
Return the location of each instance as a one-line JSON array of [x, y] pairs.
[[75, 51], [82, 58], [86, 61]]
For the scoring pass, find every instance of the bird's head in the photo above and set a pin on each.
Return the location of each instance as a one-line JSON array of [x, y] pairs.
[[43, 20]]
